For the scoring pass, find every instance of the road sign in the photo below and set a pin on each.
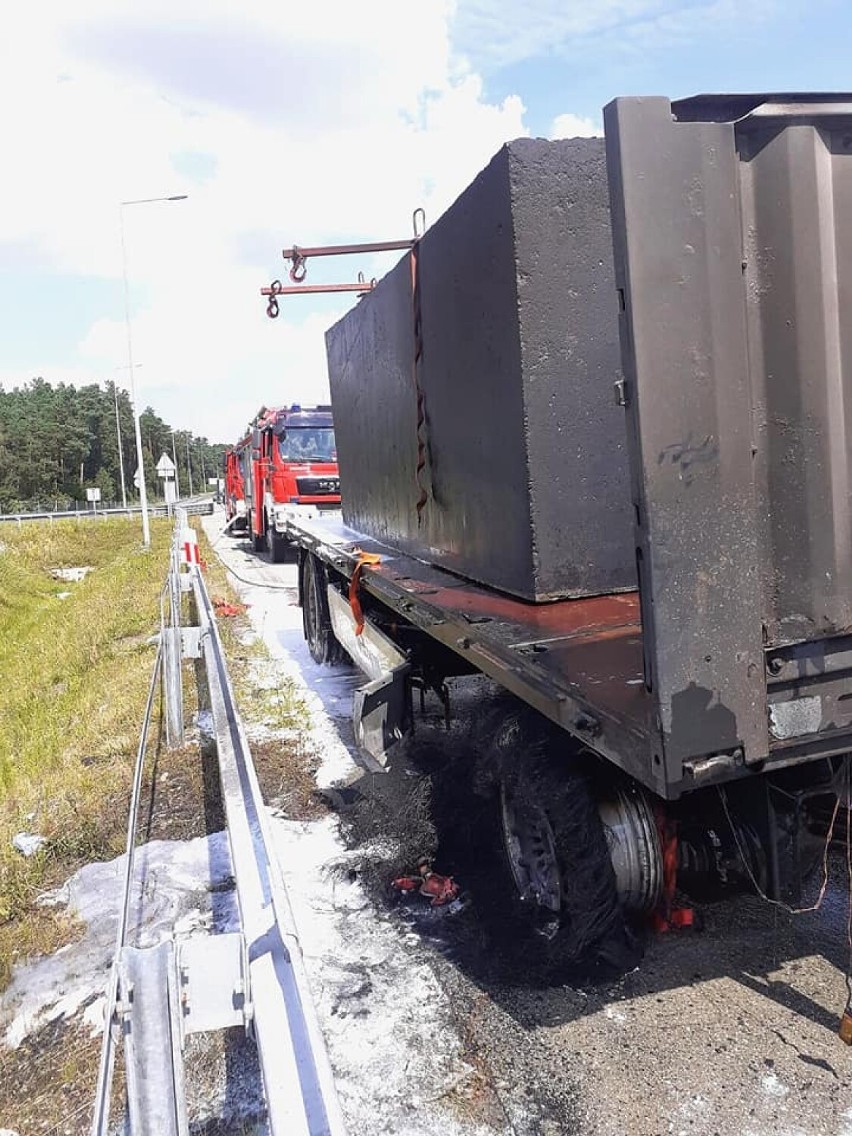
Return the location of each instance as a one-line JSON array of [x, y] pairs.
[[93, 494], [165, 466]]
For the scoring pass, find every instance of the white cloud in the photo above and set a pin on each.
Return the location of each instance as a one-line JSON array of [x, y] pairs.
[[306, 123], [575, 126]]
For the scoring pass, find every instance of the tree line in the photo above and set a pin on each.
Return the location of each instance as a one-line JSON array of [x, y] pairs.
[[58, 441]]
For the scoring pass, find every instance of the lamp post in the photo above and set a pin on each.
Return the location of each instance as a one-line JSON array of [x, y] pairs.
[[120, 445], [143, 492]]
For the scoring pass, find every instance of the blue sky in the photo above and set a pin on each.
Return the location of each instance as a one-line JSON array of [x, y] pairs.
[[300, 123]]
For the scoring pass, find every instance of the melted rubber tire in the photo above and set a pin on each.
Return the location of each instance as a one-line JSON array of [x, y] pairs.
[[322, 643], [521, 753]]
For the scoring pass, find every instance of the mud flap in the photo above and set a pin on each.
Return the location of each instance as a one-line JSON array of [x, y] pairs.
[[382, 710], [382, 716]]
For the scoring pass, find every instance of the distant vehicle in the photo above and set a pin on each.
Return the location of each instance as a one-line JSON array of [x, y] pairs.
[[289, 466], [235, 489]]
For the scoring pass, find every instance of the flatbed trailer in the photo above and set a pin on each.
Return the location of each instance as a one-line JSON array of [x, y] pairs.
[[578, 662], [702, 712]]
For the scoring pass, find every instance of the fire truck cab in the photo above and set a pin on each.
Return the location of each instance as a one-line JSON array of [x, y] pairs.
[[292, 470]]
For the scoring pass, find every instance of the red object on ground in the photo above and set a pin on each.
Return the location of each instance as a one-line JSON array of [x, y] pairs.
[[223, 607], [439, 889]]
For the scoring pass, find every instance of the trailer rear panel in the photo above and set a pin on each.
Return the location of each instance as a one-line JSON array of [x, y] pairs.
[[732, 266]]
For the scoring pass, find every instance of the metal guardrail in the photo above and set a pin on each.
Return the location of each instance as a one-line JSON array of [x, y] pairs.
[[255, 977], [102, 1098], [201, 506], [297, 1077]]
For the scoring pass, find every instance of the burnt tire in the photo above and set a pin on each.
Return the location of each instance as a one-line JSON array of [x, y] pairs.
[[552, 883], [323, 645]]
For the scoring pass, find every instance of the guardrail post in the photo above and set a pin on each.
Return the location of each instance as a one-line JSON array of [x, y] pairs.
[[172, 653]]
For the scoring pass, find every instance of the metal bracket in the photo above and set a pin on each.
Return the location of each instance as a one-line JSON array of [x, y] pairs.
[[213, 983], [190, 640], [382, 715], [382, 711]]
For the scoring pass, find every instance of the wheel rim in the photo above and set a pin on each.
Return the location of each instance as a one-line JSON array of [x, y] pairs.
[[530, 850], [634, 849]]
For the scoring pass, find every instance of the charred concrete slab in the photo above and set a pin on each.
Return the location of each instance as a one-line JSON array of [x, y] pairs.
[[526, 455]]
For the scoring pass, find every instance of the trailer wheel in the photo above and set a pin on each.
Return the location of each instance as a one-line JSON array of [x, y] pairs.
[[316, 620], [554, 880]]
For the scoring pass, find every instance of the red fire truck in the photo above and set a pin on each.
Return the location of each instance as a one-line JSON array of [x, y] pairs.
[[235, 490], [289, 463]]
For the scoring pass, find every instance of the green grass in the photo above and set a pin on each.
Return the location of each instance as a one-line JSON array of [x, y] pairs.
[[74, 674]]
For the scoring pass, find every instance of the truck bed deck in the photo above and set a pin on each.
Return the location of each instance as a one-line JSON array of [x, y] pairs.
[[578, 661]]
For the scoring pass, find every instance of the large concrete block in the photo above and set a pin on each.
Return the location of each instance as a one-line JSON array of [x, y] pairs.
[[526, 471]]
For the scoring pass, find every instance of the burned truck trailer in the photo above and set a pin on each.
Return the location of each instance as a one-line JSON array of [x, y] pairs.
[[593, 437]]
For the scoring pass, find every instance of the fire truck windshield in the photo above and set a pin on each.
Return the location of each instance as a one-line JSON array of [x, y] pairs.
[[308, 444]]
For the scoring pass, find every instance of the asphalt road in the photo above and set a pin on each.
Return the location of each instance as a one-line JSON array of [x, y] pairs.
[[727, 1031]]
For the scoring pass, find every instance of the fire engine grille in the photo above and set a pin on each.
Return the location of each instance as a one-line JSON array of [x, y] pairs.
[[318, 486]]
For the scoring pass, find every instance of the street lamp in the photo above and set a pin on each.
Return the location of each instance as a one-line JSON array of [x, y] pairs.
[[120, 446], [143, 492]]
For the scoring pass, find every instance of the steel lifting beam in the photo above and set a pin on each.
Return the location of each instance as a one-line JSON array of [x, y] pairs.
[[298, 256], [298, 253]]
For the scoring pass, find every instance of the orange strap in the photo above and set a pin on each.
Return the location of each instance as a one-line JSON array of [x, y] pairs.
[[365, 559]]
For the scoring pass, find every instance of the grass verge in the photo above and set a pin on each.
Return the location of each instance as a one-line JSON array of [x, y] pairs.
[[75, 664], [80, 667]]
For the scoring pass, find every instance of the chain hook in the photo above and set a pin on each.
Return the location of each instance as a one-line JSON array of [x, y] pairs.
[[272, 307], [299, 269], [418, 221]]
